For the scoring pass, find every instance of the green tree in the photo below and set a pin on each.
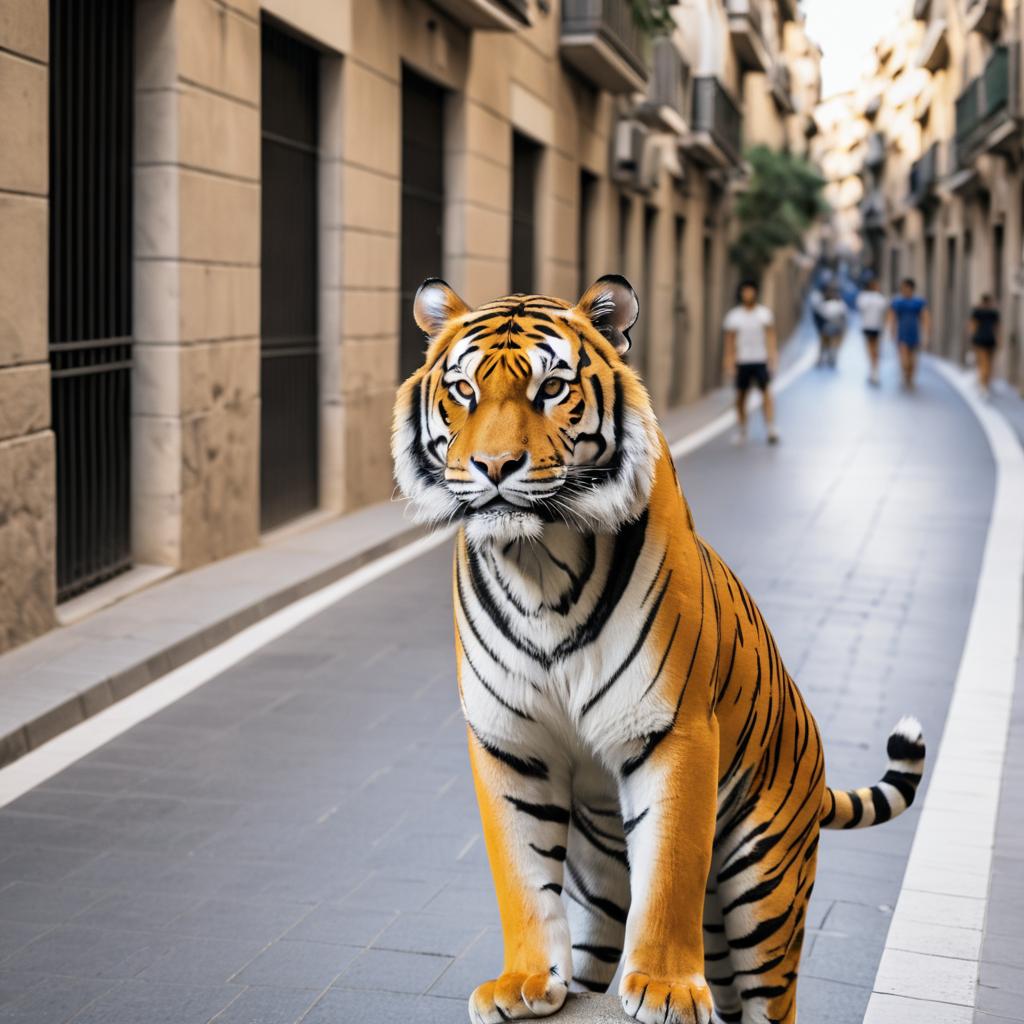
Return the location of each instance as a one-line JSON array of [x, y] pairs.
[[784, 197]]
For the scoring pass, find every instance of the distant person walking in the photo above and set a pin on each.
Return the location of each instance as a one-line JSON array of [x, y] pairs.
[[872, 306], [751, 353], [984, 330], [910, 322], [833, 314]]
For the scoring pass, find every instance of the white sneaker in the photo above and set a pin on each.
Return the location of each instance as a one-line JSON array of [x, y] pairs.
[[773, 436], [873, 380]]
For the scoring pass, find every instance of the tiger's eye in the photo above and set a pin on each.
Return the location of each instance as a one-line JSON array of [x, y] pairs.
[[552, 387], [465, 389]]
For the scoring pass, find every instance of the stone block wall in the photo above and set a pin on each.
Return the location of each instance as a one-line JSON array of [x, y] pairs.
[[27, 456]]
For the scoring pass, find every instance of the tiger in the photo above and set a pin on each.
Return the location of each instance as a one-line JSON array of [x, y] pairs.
[[650, 781]]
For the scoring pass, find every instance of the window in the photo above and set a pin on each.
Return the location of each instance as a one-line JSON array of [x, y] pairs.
[[584, 231], [525, 168]]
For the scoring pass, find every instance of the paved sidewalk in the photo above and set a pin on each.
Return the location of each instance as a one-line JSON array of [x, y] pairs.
[[298, 840]]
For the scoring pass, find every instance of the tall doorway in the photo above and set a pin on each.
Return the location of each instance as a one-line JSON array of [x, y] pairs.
[[90, 313], [289, 281], [423, 199], [525, 171]]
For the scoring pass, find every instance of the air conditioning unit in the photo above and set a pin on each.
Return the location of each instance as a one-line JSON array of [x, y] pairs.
[[628, 149]]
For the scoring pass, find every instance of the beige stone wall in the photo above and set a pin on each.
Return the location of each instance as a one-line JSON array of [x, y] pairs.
[[27, 514], [195, 394]]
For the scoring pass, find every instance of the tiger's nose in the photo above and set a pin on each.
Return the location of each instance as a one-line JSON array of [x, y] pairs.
[[498, 467]]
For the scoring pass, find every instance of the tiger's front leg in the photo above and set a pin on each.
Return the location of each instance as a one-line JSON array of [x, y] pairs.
[[524, 806], [669, 803]]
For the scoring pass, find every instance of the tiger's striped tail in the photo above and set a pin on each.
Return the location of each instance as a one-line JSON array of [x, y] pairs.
[[861, 808]]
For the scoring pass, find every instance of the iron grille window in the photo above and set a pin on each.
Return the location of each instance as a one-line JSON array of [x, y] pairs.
[[290, 281], [90, 313]]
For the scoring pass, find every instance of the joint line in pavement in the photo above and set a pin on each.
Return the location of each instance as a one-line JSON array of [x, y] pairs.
[[928, 973]]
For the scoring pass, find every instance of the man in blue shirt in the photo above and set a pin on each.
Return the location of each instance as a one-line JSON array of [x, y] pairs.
[[910, 322]]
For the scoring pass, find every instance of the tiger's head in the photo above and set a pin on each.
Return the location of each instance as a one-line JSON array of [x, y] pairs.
[[524, 413]]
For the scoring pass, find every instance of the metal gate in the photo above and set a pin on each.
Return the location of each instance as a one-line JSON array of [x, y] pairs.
[[422, 204], [90, 311], [290, 281]]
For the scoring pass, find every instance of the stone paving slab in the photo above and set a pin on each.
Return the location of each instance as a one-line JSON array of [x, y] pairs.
[[298, 839]]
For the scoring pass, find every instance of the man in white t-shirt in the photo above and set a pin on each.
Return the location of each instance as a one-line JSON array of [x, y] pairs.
[[872, 306], [751, 354]]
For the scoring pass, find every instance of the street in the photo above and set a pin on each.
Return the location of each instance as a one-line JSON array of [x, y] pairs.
[[298, 838]]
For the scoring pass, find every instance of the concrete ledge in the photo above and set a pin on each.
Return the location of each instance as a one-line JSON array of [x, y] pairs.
[[75, 671]]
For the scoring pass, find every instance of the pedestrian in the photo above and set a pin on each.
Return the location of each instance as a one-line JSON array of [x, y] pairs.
[[910, 322], [751, 353], [984, 331], [816, 301], [833, 315], [872, 305]]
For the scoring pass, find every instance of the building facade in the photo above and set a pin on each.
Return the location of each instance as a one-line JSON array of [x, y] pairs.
[[214, 214], [942, 166]]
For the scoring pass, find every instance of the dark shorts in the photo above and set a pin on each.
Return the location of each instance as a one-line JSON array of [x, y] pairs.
[[985, 343], [908, 343], [871, 335], [750, 375]]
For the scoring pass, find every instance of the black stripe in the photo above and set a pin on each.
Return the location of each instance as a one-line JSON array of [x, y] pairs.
[[883, 809], [532, 768], [555, 853], [592, 986], [552, 887], [858, 810], [606, 954], [542, 812], [606, 906], [631, 823]]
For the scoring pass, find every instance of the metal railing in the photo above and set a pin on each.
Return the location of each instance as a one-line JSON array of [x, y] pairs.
[[715, 112], [614, 22], [923, 174], [90, 321], [670, 78], [984, 99]]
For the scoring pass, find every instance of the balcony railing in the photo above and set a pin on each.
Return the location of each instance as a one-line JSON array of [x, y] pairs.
[[602, 40], [923, 175], [874, 155], [717, 120], [782, 87], [984, 110], [747, 32], [921, 9], [668, 93], [492, 15]]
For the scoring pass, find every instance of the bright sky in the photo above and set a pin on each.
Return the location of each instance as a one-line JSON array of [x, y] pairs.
[[846, 31]]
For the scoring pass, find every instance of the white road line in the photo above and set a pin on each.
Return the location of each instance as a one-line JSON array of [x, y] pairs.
[[723, 421], [46, 761], [945, 888]]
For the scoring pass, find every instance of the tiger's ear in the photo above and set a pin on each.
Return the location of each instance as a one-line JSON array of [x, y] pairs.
[[611, 305], [435, 305]]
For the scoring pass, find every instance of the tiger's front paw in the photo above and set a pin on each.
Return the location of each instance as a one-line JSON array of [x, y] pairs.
[[666, 1000], [517, 997]]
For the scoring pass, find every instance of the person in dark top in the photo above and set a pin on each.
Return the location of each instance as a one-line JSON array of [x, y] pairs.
[[984, 331]]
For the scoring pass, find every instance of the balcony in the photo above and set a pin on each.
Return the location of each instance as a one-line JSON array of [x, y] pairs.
[[922, 9], [984, 16], [716, 128], [782, 88], [923, 175], [667, 107], [987, 110], [747, 34], [873, 211], [601, 40], [934, 52], [489, 15]]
